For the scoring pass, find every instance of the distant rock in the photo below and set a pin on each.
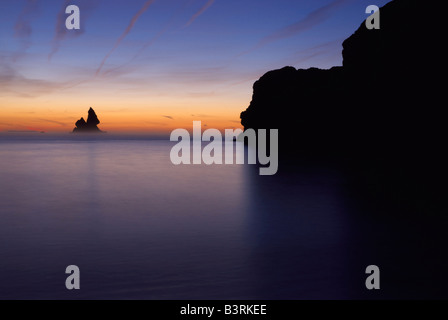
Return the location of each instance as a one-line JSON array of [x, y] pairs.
[[90, 126]]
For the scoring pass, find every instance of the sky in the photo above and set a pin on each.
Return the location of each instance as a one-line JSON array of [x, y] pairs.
[[156, 65]]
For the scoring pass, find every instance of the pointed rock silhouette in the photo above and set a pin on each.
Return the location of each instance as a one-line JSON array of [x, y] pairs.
[[90, 126]]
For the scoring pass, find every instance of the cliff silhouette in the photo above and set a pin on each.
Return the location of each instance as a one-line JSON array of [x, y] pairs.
[[91, 125], [385, 99], [381, 113]]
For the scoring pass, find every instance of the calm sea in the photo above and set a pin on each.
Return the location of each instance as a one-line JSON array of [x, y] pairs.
[[139, 227]]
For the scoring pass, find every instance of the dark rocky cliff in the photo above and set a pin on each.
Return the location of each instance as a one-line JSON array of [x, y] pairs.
[[386, 98]]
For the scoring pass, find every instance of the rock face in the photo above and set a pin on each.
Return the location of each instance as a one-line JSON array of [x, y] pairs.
[[384, 99], [380, 114], [90, 126]]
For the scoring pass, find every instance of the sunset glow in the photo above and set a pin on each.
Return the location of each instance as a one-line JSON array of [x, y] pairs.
[[152, 66]]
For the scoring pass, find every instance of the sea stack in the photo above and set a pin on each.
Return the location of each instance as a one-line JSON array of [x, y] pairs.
[[90, 126]]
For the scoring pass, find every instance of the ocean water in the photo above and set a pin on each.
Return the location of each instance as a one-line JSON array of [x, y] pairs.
[[139, 227]]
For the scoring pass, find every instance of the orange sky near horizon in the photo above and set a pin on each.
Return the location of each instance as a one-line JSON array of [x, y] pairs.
[[136, 115]]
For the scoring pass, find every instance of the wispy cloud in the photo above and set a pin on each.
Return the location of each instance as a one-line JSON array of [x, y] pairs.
[[201, 94], [13, 83], [155, 123], [169, 24], [202, 115], [62, 124], [199, 12], [323, 49], [169, 117], [313, 19], [142, 49], [24, 131], [126, 32], [22, 28], [161, 32], [7, 124], [60, 32]]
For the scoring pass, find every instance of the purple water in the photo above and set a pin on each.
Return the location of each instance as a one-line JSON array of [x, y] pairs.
[[139, 227]]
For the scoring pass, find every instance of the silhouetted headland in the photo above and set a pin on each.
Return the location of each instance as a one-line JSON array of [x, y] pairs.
[[90, 126], [385, 99], [380, 113]]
